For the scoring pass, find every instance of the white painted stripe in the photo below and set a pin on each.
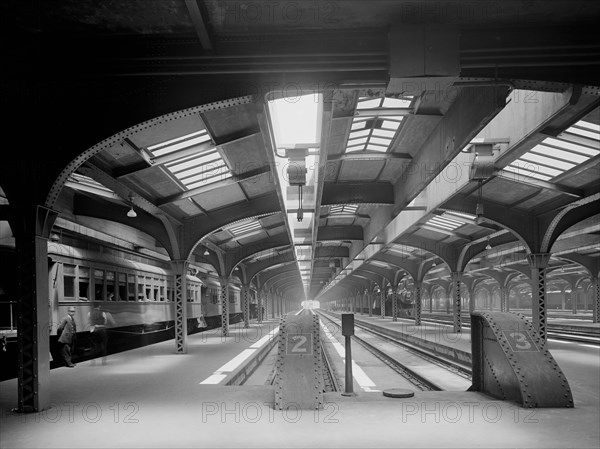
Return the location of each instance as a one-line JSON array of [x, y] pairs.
[[214, 379], [358, 373], [218, 376], [265, 339], [237, 360]]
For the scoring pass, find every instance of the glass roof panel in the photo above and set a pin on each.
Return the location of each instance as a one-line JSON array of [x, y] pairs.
[[572, 146], [545, 163], [173, 145], [380, 141], [591, 126], [357, 141], [383, 133], [359, 147], [194, 161], [244, 227], [375, 147], [379, 129], [361, 133], [556, 155], [442, 222], [397, 102], [582, 132], [210, 180], [523, 171], [365, 103], [391, 124], [359, 124]]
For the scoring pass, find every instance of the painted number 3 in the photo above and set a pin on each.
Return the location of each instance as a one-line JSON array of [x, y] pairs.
[[300, 339], [520, 341]]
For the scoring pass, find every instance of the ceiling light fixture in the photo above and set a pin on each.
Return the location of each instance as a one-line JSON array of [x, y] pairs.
[[206, 253], [488, 246], [131, 213]]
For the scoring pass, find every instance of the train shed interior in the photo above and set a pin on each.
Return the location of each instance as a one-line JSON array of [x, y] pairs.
[[203, 167]]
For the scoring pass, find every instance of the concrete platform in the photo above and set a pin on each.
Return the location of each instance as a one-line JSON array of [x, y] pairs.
[[151, 397]]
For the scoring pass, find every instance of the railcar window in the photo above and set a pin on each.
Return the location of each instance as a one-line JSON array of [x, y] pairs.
[[130, 287], [83, 276], [214, 295], [110, 286], [169, 289], [122, 290], [140, 291], [99, 287], [68, 282], [161, 290]]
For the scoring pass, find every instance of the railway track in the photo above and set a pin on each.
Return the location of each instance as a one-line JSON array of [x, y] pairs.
[[415, 363], [555, 331]]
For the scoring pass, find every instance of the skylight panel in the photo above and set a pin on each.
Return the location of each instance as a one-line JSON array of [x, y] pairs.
[[380, 141], [357, 141], [343, 209], [369, 104], [557, 155], [547, 163], [383, 133], [173, 145], [444, 222], [85, 183], [572, 147], [391, 124], [375, 147], [377, 131], [521, 170], [397, 102], [359, 147], [591, 126], [194, 161], [244, 228], [582, 132], [361, 133], [358, 124]]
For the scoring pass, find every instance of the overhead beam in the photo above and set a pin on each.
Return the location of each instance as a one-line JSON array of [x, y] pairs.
[[340, 233], [198, 22], [367, 156], [473, 108], [530, 181], [357, 193], [235, 179]]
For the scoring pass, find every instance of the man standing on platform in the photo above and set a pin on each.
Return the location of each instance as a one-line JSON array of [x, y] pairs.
[[98, 320], [67, 331]]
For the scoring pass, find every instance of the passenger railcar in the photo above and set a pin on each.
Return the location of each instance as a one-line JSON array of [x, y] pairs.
[[135, 290]]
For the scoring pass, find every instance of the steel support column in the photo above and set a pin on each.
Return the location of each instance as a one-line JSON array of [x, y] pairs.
[[259, 307], [596, 298], [418, 298], [394, 305], [370, 299], [538, 263], [33, 330], [471, 300], [503, 299], [180, 268], [382, 302], [224, 280], [246, 305], [457, 306]]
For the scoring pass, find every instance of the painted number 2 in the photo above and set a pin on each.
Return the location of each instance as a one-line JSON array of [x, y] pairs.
[[301, 339], [299, 344]]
